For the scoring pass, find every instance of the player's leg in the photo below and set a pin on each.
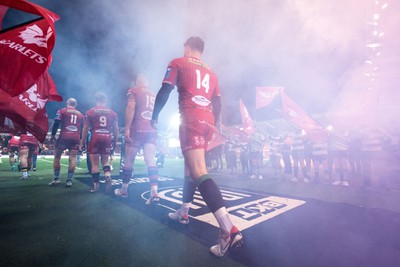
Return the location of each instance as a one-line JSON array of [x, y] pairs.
[[130, 154], [31, 152], [189, 188], [11, 158], [105, 162], [149, 152], [95, 160], [71, 166], [229, 234], [23, 161], [56, 165], [34, 160]]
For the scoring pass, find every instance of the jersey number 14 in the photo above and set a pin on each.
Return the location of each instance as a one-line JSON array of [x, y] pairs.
[[203, 81]]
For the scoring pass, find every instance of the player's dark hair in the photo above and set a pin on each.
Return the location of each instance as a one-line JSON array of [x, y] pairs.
[[100, 98], [195, 43]]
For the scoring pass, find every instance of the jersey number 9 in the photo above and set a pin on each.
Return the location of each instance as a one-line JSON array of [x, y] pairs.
[[103, 121]]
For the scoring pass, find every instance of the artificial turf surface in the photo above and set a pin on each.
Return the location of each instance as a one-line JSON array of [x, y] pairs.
[[58, 226]]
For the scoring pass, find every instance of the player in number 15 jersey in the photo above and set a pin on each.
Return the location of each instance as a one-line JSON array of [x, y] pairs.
[[139, 134]]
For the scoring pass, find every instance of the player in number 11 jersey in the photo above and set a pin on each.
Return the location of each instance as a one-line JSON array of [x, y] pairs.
[[70, 120]]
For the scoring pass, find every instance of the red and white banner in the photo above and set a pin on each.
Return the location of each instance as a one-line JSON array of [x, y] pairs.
[[265, 95], [298, 117], [27, 110], [25, 50], [236, 132], [216, 140], [248, 125]]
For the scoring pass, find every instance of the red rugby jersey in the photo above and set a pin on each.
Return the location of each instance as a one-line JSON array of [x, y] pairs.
[[71, 122], [100, 120], [144, 104], [28, 138], [197, 85]]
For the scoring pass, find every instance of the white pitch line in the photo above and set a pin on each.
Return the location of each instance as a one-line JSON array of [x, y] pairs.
[[60, 163]]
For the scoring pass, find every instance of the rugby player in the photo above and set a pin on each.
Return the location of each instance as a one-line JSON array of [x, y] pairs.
[[26, 147], [70, 120], [199, 107], [12, 148], [103, 124], [139, 134]]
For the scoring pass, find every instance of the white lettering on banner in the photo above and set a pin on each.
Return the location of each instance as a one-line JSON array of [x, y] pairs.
[[24, 51], [33, 101], [253, 209]]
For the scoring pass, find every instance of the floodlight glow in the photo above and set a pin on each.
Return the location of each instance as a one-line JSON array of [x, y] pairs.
[[381, 34], [175, 120], [368, 62], [384, 6], [376, 16], [374, 45], [174, 142], [329, 128]]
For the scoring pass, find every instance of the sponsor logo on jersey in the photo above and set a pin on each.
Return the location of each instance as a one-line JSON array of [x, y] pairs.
[[102, 131], [147, 115], [201, 100], [72, 128]]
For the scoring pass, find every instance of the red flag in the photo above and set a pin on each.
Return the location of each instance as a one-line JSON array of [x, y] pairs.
[[25, 50], [265, 95], [216, 140], [27, 109], [236, 132], [3, 11], [248, 125], [296, 115]]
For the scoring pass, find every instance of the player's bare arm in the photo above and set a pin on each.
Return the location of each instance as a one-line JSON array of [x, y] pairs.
[[129, 114], [115, 127], [84, 135]]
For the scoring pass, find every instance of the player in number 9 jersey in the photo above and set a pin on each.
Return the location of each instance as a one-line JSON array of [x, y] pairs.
[[199, 107], [103, 124]]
